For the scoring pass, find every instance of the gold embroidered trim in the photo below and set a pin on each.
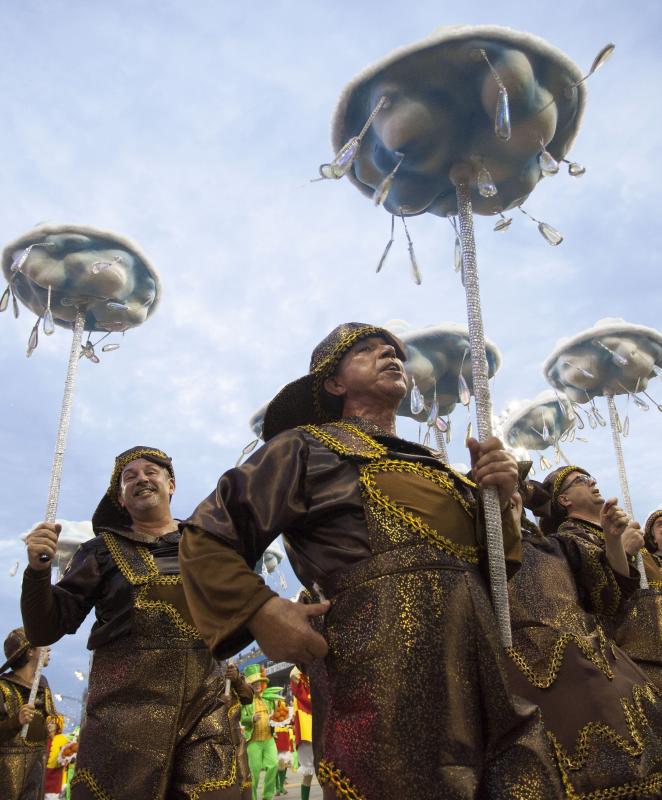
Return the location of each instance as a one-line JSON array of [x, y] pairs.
[[543, 679], [366, 479], [650, 787], [151, 578], [329, 773], [86, 777], [603, 578], [327, 365], [375, 450], [216, 783], [561, 475], [127, 459], [635, 718]]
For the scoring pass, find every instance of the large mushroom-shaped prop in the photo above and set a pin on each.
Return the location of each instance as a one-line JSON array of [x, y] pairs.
[[440, 370], [614, 357], [81, 278], [539, 424], [470, 118]]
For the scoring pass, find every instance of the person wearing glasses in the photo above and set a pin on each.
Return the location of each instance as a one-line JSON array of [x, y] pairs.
[[578, 508]]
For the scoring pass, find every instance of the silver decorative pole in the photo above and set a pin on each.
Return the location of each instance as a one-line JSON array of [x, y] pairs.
[[623, 479], [58, 461], [35, 686], [440, 440], [461, 175], [65, 417]]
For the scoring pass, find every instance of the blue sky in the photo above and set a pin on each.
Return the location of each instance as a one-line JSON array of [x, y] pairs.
[[194, 127]]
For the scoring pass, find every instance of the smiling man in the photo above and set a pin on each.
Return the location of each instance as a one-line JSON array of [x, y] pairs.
[[411, 699], [156, 725]]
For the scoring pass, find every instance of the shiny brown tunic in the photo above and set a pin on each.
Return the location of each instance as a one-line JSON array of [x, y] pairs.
[[412, 699], [23, 761], [602, 716], [155, 726], [637, 628]]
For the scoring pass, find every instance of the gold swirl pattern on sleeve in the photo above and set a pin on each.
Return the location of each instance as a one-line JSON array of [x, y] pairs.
[[85, 777], [329, 773]]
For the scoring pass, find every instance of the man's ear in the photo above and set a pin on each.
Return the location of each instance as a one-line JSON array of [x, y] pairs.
[[172, 486], [563, 501], [335, 387], [120, 502]]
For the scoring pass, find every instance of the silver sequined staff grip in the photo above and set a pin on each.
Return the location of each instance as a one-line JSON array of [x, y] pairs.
[[35, 686], [480, 375], [623, 479], [65, 418]]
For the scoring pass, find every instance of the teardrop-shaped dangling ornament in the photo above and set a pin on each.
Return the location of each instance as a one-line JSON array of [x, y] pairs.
[[604, 54], [463, 390], [571, 435], [458, 254], [415, 271], [502, 115], [345, 157], [14, 303], [441, 424], [4, 300], [579, 422], [642, 404], [469, 433], [49, 324], [593, 423], [575, 169], [626, 426], [33, 341], [599, 418], [485, 183], [549, 234], [449, 435], [544, 463], [434, 413], [382, 191], [503, 224], [545, 430], [388, 246], [108, 348], [548, 164], [416, 401]]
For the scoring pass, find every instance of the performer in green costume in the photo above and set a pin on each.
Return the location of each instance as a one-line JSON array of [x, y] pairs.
[[262, 754]]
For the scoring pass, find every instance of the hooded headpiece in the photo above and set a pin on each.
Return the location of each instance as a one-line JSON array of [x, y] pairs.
[[551, 512], [109, 513], [304, 401], [648, 530], [16, 645]]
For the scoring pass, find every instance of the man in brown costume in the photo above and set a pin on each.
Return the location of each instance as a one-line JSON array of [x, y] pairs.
[[576, 508], [155, 726], [603, 717], [22, 761], [392, 536]]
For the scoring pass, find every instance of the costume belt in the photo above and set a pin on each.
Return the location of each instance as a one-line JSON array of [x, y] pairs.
[[409, 558]]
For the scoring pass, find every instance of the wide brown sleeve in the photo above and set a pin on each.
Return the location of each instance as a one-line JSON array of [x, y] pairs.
[[602, 590], [228, 532], [51, 611]]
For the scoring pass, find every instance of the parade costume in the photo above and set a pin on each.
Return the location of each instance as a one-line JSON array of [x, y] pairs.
[[155, 726], [637, 627], [55, 771], [602, 716], [261, 748], [22, 761], [303, 724], [393, 537]]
